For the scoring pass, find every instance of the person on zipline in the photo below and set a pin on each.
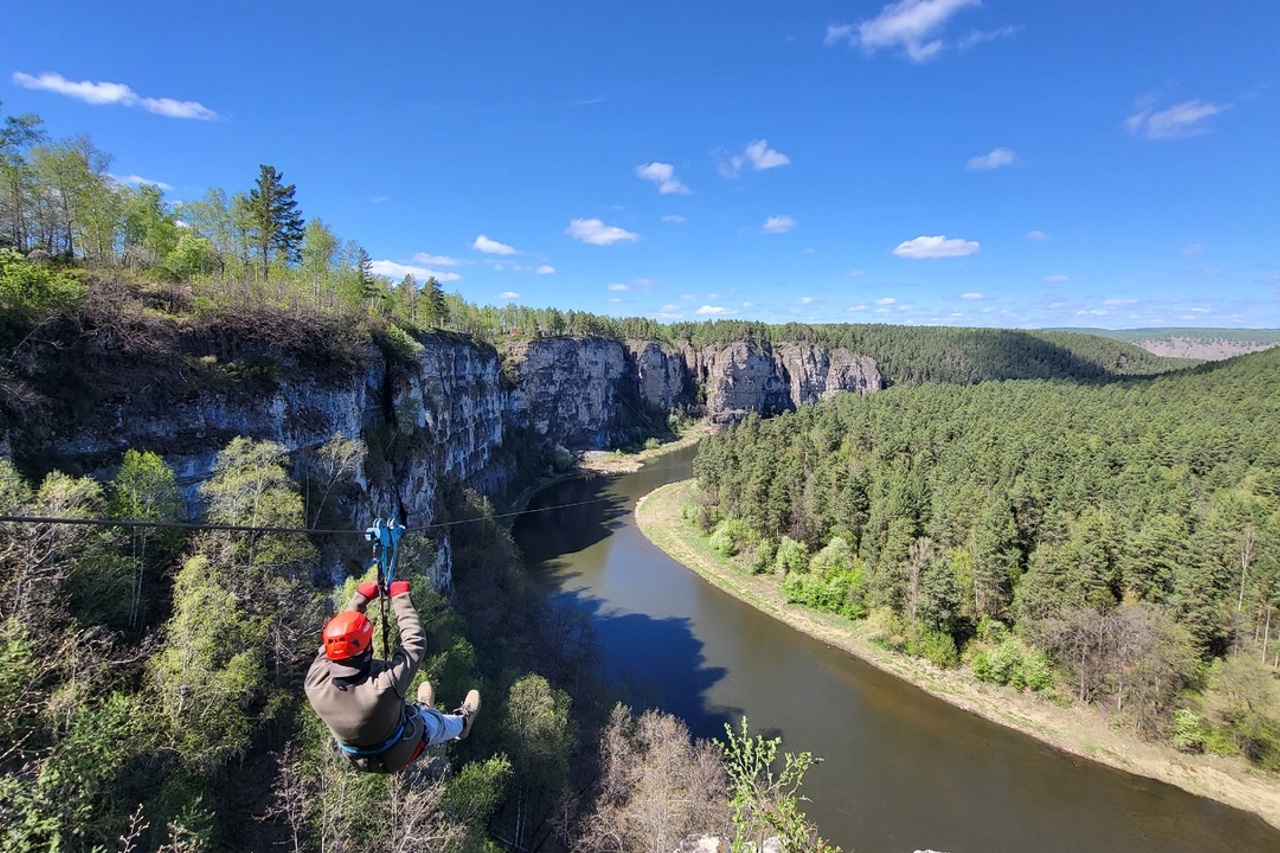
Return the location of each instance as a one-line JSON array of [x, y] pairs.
[[362, 700]]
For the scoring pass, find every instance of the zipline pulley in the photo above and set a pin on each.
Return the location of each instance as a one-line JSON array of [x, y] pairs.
[[385, 536]]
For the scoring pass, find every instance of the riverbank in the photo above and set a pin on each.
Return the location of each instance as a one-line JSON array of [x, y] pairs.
[[1076, 730], [593, 463], [618, 462]]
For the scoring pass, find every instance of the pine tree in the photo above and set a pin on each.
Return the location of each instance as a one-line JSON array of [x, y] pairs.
[[278, 227]]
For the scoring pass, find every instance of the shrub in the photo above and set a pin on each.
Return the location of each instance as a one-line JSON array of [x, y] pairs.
[[939, 648], [652, 444], [1011, 662], [560, 458], [400, 344], [722, 540], [838, 592], [763, 555], [837, 556], [792, 557], [1188, 731]]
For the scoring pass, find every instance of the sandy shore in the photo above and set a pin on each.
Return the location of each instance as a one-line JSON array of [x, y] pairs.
[[617, 462], [1078, 730]]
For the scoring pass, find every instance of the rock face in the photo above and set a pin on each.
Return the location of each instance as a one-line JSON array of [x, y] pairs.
[[816, 374], [443, 416], [569, 390], [439, 418], [753, 377]]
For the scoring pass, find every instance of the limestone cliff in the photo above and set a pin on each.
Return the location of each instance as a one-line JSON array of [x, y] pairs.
[[754, 377], [440, 415]]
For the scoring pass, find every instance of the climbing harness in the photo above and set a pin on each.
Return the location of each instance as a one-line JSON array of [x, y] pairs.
[[385, 536], [369, 752]]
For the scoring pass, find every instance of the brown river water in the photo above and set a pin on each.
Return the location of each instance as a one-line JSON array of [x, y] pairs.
[[901, 770]]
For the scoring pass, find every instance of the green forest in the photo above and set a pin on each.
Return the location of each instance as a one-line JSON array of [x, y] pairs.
[[1113, 543]]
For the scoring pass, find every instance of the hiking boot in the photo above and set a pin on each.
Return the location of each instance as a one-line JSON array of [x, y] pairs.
[[470, 707], [426, 695]]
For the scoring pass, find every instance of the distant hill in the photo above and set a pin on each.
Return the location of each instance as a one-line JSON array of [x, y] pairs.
[[1206, 344], [913, 355]]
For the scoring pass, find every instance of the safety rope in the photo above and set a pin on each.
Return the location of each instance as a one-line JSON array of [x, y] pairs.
[[385, 536]]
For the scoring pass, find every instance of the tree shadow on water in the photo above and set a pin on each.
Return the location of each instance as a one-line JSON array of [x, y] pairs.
[[642, 661], [569, 517]]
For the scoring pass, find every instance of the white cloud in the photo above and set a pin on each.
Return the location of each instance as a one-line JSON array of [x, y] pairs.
[[856, 273], [779, 224], [1184, 119], [912, 25], [493, 247], [664, 175], [615, 300], [618, 287], [546, 269], [886, 300], [994, 160], [805, 300], [673, 219], [713, 309], [1054, 279], [977, 37], [758, 155], [687, 297], [397, 271], [1037, 236], [136, 181], [434, 260], [596, 233], [936, 247], [1193, 249], [113, 93], [1119, 303], [859, 307], [971, 295], [378, 199], [508, 294]]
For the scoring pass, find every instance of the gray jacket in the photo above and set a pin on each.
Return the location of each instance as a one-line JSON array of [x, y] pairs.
[[366, 711]]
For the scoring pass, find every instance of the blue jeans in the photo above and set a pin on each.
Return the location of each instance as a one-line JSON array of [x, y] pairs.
[[438, 727]]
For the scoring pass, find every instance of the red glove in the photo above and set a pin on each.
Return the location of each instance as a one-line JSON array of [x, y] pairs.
[[398, 587], [368, 589]]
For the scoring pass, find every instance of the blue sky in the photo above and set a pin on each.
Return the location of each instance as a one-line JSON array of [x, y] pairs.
[[959, 162]]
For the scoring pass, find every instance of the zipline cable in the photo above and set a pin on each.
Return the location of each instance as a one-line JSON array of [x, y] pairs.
[[245, 528]]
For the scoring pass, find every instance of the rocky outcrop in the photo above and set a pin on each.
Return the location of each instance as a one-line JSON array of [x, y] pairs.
[[750, 377], [569, 390], [816, 374], [662, 375]]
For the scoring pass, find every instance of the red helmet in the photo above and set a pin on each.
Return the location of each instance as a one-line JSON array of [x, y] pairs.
[[348, 635]]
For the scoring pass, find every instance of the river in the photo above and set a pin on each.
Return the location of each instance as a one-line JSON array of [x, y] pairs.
[[902, 771]]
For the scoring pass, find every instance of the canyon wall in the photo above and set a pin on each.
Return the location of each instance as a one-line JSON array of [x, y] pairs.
[[443, 416]]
